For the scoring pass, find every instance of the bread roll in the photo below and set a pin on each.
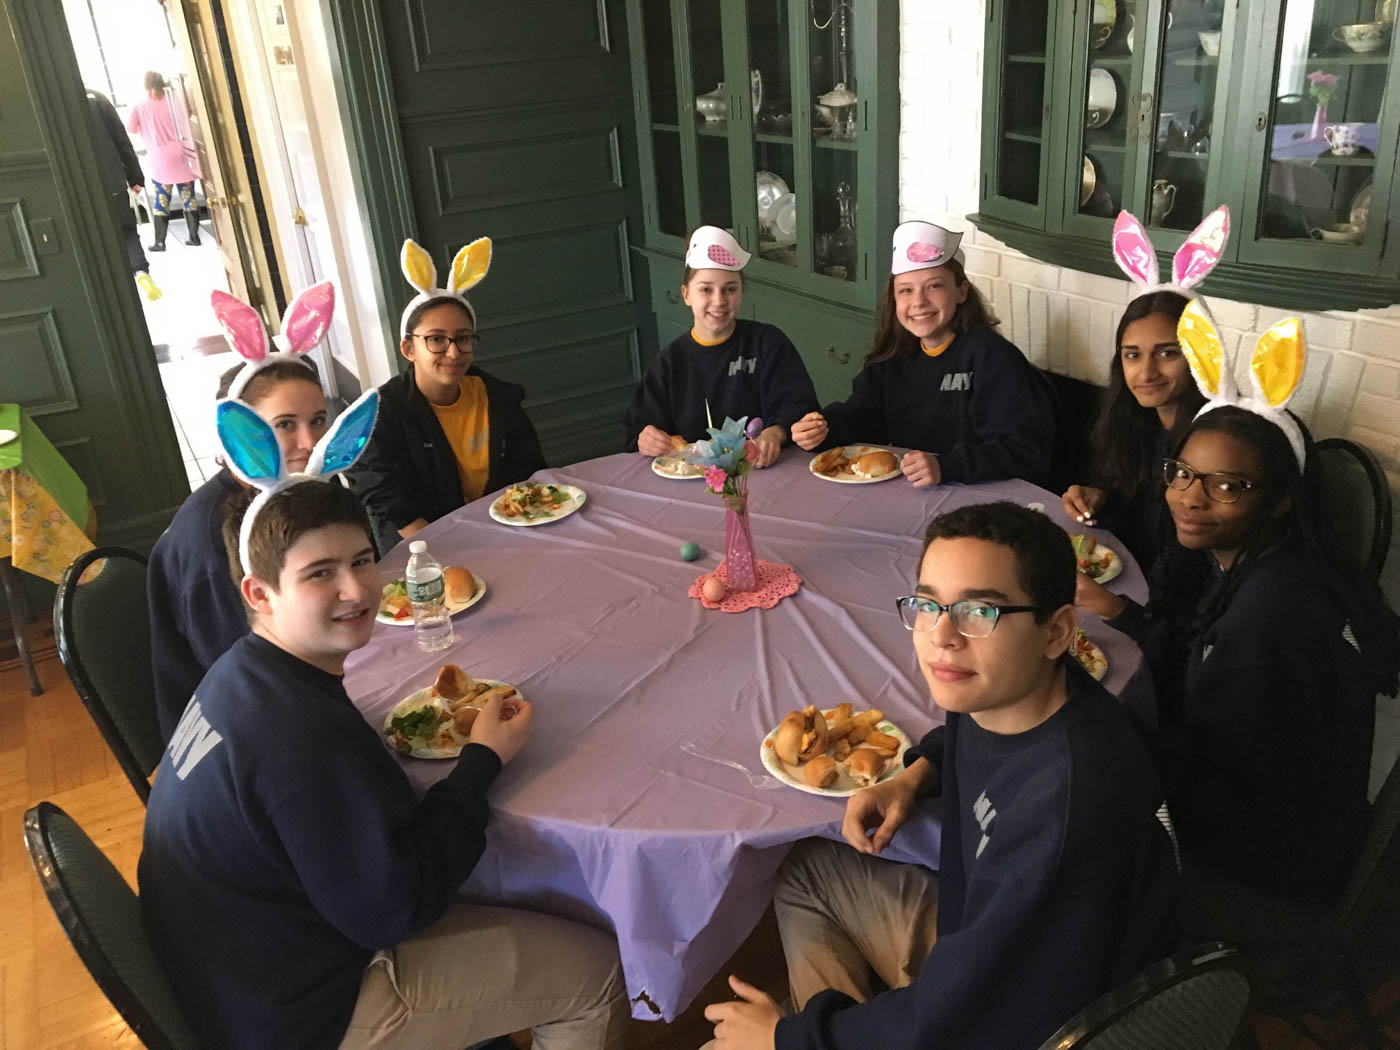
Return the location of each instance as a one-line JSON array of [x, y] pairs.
[[821, 772], [462, 722], [452, 682], [460, 583], [865, 766], [677, 443], [801, 736], [874, 464]]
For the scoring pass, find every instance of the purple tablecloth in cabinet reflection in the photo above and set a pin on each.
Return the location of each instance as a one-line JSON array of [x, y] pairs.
[[640, 802]]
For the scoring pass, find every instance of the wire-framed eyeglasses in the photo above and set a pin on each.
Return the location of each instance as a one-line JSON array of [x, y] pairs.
[[972, 617], [1219, 487], [438, 344]]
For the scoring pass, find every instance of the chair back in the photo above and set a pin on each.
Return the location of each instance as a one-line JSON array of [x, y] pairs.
[[1367, 919], [103, 629], [1192, 1001], [1076, 406], [1354, 499], [102, 918]]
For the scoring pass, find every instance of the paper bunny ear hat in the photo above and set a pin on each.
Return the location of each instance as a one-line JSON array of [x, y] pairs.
[[252, 452], [468, 269], [1133, 253], [303, 326], [1275, 370]]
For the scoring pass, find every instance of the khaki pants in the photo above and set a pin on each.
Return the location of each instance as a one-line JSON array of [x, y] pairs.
[[481, 972], [843, 915]]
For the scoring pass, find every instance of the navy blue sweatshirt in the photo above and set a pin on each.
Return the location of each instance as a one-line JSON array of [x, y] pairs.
[[1265, 747], [284, 845], [755, 372], [196, 611], [1058, 880], [979, 406]]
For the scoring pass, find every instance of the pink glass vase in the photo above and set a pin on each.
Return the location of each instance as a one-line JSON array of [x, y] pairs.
[[1319, 123], [740, 564]]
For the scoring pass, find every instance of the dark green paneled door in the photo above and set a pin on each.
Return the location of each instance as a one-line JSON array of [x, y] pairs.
[[515, 121]]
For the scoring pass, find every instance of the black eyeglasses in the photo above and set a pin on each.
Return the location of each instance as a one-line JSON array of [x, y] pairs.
[[1221, 488], [972, 617], [438, 344]]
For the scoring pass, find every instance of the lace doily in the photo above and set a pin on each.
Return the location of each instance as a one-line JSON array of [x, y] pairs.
[[775, 582]]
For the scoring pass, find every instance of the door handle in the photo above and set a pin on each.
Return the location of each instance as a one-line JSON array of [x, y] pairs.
[[299, 217], [673, 298]]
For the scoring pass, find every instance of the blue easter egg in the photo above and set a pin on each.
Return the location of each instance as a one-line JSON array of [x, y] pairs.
[[690, 551]]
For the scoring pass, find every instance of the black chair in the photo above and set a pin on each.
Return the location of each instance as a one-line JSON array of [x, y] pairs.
[[104, 640], [1362, 942], [1192, 1001], [1076, 407], [1354, 497], [102, 918]]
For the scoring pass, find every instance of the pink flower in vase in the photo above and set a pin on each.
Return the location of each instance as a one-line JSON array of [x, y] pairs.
[[1321, 86], [715, 477]]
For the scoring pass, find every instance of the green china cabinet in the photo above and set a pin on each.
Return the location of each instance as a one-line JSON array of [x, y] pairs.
[[777, 120], [1285, 110]]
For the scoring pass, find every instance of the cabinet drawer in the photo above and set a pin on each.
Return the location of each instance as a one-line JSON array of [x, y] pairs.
[[832, 342], [666, 303]]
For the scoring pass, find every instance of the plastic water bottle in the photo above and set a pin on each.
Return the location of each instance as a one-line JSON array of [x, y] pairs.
[[427, 591]]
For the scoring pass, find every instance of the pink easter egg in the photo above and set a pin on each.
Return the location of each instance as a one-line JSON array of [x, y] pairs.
[[721, 256], [922, 251], [714, 590]]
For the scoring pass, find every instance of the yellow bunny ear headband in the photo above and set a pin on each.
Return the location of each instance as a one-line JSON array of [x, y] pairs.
[[1275, 370], [468, 268]]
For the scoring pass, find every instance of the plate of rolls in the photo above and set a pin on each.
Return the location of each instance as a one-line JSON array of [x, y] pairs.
[[855, 464], [436, 722], [461, 590], [834, 751]]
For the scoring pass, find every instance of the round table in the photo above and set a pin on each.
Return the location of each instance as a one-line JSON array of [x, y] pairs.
[[640, 803]]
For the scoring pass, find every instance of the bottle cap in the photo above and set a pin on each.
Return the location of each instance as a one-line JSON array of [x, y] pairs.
[[417, 547]]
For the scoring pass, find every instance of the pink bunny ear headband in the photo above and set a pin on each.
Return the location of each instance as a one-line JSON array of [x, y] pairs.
[[1133, 253], [304, 325]]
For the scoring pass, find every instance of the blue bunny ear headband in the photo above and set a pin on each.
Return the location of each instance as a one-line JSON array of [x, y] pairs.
[[253, 453]]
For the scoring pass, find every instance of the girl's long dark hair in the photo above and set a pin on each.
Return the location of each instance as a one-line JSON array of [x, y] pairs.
[[1181, 584], [1125, 433], [893, 340]]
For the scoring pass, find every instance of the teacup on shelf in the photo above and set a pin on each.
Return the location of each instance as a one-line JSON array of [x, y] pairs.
[[1210, 42], [1344, 139], [1340, 233], [1363, 36]]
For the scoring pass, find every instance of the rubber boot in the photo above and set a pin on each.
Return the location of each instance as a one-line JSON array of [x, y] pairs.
[[161, 224], [192, 224]]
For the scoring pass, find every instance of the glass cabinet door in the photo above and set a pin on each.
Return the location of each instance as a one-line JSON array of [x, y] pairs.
[[1328, 140], [1099, 174], [1181, 177], [1021, 43], [711, 114], [833, 85], [664, 113], [774, 178]]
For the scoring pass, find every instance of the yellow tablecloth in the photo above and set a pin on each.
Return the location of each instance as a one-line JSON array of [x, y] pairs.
[[37, 531]]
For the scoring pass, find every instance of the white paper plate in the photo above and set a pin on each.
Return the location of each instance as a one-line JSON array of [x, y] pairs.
[[851, 452], [844, 786], [422, 698], [1115, 563], [453, 607], [679, 457], [1097, 656], [576, 500]]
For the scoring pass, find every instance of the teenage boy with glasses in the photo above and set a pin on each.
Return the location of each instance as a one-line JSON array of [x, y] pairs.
[[1058, 876]]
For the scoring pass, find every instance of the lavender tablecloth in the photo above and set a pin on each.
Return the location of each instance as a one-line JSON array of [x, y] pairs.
[[640, 803]]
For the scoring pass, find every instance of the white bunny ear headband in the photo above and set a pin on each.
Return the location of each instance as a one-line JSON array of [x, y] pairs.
[[253, 453], [303, 326], [468, 268], [1275, 370], [1133, 253]]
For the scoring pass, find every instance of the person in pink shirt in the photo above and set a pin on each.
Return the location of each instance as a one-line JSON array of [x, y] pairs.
[[171, 177]]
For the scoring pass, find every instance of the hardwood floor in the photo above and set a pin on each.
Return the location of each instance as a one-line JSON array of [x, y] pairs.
[[50, 750]]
